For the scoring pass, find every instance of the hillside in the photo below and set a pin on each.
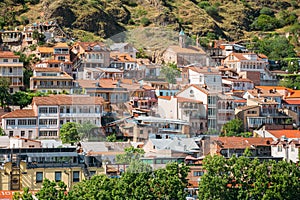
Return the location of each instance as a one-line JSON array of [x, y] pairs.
[[94, 19]]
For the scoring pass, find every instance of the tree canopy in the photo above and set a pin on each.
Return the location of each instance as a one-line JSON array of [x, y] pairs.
[[130, 154], [139, 182], [234, 128], [170, 72], [4, 93], [245, 178], [69, 133]]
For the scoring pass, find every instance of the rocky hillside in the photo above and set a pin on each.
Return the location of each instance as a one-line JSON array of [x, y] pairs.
[[230, 19]]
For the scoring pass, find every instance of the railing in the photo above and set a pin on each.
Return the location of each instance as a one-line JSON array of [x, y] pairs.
[[54, 86], [33, 165]]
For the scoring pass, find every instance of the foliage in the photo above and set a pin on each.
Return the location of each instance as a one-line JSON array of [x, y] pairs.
[[170, 72], [141, 183], [145, 21], [130, 154], [4, 94], [69, 133], [21, 99], [141, 53], [52, 190], [25, 195], [111, 138], [292, 82], [232, 128], [245, 178], [265, 23], [274, 46], [85, 128]]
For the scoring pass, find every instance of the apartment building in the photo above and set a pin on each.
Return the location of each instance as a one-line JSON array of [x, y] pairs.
[[49, 113], [12, 69], [47, 79]]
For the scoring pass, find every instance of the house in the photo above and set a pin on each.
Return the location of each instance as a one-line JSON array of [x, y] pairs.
[[218, 106], [124, 48], [98, 73], [151, 70], [288, 134], [45, 53], [246, 64], [269, 94], [89, 55], [204, 76], [190, 110], [49, 113], [12, 69], [287, 149], [49, 63], [11, 38], [19, 142], [61, 51], [28, 167], [109, 89], [183, 54], [241, 84], [46, 79], [229, 146], [122, 61]]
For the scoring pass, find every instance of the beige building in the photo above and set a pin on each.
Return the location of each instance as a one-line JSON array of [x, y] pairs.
[[46, 79], [28, 167], [184, 54], [12, 69]]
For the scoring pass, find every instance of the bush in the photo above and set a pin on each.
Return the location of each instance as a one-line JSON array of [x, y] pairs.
[[212, 11], [267, 11], [265, 23], [145, 21], [204, 4]]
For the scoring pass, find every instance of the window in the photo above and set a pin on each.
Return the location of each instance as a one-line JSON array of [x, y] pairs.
[[43, 122], [11, 133], [15, 60], [22, 122], [76, 176], [42, 133], [57, 176], [292, 148], [279, 148], [39, 177], [52, 121], [43, 110], [52, 110], [141, 131], [22, 133], [32, 122], [11, 122], [198, 173]]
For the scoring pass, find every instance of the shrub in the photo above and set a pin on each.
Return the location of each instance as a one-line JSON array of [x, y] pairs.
[[145, 21]]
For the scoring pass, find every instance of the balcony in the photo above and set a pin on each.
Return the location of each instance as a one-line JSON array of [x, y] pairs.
[[53, 86], [80, 115]]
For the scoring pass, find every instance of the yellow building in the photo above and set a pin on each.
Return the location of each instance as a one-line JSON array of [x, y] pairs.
[[29, 167]]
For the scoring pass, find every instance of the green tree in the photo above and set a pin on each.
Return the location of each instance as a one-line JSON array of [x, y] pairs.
[[85, 128], [130, 154], [4, 94], [232, 128], [21, 99], [25, 195], [170, 72], [170, 182], [98, 187], [265, 23], [52, 190], [69, 133], [111, 138], [245, 178]]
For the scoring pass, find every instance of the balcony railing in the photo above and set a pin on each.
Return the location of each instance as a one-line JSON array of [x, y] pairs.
[[53, 86]]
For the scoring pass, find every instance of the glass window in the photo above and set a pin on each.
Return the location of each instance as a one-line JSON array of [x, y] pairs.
[[279, 148], [52, 110], [57, 176], [22, 133], [43, 110], [11, 122], [39, 177], [22, 122], [5, 60], [32, 122], [76, 176], [198, 173]]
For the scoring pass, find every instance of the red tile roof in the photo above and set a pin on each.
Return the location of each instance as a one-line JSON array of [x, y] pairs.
[[241, 142], [24, 113], [47, 69], [8, 54], [68, 100], [165, 97], [286, 133], [292, 102]]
